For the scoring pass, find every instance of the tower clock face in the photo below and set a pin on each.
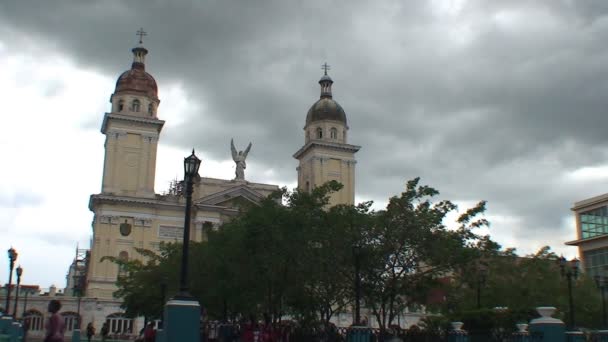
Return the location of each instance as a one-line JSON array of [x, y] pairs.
[[125, 229]]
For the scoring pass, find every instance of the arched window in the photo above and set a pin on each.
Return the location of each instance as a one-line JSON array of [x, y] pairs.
[[333, 133], [121, 105], [135, 105], [118, 323], [150, 109], [36, 320], [319, 133], [70, 319]]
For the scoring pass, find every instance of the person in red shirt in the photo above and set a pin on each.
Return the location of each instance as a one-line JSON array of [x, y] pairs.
[[149, 333]]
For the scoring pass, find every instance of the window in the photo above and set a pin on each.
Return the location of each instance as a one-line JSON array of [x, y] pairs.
[[121, 105], [319, 133], [135, 105], [333, 133], [150, 109], [118, 323], [70, 319], [595, 261], [594, 222], [36, 320]]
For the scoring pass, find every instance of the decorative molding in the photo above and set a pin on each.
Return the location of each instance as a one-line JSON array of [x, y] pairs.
[[327, 145], [124, 242]]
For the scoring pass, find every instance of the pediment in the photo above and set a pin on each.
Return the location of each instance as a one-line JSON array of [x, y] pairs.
[[232, 197]]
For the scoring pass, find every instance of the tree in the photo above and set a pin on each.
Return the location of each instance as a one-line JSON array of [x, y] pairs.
[[407, 248], [524, 283]]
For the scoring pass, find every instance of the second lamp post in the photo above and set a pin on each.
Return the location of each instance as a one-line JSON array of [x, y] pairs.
[[569, 270], [19, 273]]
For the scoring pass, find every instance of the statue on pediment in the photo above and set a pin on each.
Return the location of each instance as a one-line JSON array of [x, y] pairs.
[[239, 159]]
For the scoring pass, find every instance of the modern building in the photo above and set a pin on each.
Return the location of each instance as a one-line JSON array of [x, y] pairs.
[[592, 234]]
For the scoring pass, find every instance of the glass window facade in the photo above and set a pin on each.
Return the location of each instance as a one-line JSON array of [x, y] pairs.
[[594, 222], [596, 262]]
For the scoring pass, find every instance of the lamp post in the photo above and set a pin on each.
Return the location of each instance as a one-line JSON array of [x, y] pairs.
[[163, 297], [12, 257], [27, 292], [357, 257], [482, 275], [19, 273], [569, 269], [191, 165], [602, 284], [183, 312]]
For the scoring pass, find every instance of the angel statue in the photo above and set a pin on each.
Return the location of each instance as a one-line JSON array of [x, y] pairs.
[[239, 159]]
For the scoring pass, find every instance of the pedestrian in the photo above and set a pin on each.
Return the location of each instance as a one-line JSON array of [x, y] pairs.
[[105, 330], [149, 333], [26, 327], [55, 326], [90, 331]]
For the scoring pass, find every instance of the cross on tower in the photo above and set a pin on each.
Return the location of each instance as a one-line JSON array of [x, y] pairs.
[[141, 33], [325, 67]]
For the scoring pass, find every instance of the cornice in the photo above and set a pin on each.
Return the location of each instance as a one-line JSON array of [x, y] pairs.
[[130, 118], [326, 145], [156, 203]]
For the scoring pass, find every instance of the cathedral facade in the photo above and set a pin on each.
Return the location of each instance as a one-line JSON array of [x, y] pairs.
[[128, 213]]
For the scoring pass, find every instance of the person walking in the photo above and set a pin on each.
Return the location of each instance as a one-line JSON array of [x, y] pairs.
[[149, 333], [90, 331], [55, 326], [105, 330]]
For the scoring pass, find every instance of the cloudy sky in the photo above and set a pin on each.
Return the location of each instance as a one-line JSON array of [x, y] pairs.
[[496, 100]]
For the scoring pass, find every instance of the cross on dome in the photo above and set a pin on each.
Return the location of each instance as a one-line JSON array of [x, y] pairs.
[[325, 67], [141, 33]]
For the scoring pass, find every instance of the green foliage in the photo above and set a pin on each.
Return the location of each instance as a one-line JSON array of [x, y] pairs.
[[408, 249], [522, 284]]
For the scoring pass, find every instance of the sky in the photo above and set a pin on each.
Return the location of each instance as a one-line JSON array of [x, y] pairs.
[[501, 101]]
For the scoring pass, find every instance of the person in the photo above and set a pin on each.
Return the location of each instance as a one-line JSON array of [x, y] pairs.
[[90, 331], [105, 330], [149, 333], [55, 326], [26, 327], [249, 330]]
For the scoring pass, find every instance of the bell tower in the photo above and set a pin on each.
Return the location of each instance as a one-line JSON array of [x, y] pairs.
[[326, 155], [132, 130]]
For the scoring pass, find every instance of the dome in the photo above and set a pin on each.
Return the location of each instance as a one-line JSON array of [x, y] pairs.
[[138, 81], [326, 109]]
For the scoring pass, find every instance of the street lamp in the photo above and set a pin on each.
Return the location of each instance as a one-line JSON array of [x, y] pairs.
[[569, 269], [19, 273], [357, 257], [482, 275], [182, 313], [12, 257], [163, 296], [191, 165], [602, 284]]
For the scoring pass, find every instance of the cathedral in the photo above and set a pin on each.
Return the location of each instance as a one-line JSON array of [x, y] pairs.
[[128, 213]]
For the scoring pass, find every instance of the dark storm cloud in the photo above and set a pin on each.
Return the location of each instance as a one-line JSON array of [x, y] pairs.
[[495, 100]]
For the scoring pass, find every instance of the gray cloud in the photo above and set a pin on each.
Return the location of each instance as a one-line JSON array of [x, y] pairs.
[[495, 101]]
